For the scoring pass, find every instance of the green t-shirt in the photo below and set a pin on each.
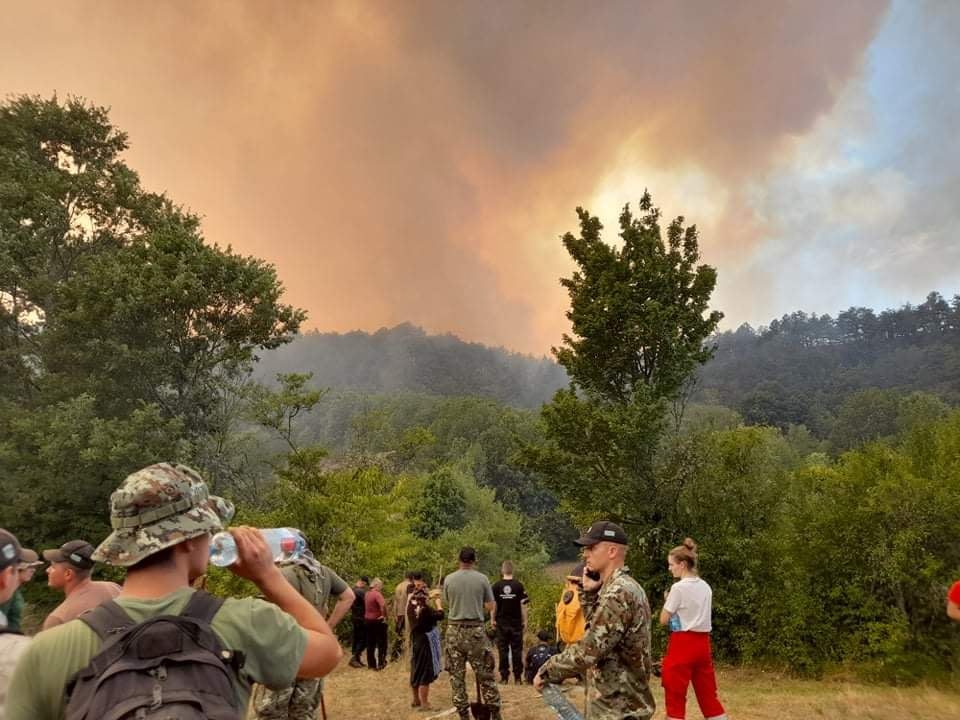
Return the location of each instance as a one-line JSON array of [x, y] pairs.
[[464, 593], [271, 640], [317, 588]]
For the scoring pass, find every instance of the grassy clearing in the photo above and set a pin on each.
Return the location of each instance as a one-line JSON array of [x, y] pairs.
[[748, 695]]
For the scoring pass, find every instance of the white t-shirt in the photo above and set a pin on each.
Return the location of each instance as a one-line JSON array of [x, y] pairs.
[[692, 601]]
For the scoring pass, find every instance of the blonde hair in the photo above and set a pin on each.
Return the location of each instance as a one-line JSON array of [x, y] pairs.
[[686, 553]]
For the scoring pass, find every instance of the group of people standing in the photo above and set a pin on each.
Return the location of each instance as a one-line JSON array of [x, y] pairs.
[[160, 644], [163, 518]]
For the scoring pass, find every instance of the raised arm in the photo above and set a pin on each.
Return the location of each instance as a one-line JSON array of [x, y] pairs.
[[255, 563]]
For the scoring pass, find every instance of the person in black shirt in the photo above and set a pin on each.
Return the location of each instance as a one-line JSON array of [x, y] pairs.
[[509, 619], [422, 617], [359, 627], [539, 654]]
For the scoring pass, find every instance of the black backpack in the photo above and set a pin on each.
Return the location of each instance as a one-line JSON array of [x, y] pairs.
[[169, 667]]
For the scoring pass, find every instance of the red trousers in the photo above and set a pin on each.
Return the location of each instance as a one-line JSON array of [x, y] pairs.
[[689, 659]]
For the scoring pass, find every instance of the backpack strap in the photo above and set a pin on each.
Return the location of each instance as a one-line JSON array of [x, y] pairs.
[[107, 620], [202, 606]]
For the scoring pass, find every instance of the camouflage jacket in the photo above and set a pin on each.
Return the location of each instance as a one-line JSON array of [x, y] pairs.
[[615, 648]]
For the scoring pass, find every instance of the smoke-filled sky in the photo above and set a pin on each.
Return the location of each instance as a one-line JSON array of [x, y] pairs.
[[417, 160]]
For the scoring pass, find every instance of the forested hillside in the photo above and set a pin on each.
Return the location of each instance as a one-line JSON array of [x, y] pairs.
[[798, 370], [802, 368], [406, 359]]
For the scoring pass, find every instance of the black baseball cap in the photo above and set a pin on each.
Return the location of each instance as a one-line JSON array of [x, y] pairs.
[[9, 549], [75, 552], [602, 531]]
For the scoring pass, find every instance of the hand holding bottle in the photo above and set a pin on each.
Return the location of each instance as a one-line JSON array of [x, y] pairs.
[[283, 544], [250, 555]]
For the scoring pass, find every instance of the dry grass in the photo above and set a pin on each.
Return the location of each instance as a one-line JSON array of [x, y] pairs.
[[361, 694]]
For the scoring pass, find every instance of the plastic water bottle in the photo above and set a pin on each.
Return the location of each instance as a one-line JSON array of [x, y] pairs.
[[284, 543], [675, 625]]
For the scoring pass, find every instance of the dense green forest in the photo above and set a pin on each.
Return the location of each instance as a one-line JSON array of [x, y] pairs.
[[801, 368], [816, 461]]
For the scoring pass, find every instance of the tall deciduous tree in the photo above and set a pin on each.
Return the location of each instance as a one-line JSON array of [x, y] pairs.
[[640, 321], [112, 302]]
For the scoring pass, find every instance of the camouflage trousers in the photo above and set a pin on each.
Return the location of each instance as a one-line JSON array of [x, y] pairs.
[[469, 644], [300, 701]]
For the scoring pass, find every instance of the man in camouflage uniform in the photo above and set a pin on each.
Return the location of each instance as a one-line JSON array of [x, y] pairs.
[[615, 650], [317, 583], [466, 594]]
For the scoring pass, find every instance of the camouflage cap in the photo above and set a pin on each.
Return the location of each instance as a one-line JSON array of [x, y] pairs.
[[156, 508]]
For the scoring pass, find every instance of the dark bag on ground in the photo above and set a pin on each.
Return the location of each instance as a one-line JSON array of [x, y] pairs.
[[169, 667]]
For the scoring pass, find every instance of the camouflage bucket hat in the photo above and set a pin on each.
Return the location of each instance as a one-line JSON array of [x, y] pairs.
[[156, 508]]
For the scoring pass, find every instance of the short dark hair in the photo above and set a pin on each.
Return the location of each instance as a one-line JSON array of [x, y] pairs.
[[468, 555], [410, 574], [161, 557], [415, 575], [365, 578], [544, 636]]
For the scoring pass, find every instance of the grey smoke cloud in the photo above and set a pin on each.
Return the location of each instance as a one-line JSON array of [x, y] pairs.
[[865, 211], [417, 161]]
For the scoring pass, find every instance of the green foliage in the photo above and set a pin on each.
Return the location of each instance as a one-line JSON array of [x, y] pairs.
[[61, 462], [640, 320], [442, 506], [422, 433], [639, 312], [875, 414], [817, 564], [802, 368], [124, 338]]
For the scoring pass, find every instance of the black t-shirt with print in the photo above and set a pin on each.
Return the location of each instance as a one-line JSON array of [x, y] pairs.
[[509, 596]]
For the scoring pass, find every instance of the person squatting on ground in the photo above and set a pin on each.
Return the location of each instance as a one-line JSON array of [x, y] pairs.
[[12, 609], [538, 655], [687, 612], [375, 619], [317, 583], [70, 569], [616, 644], [509, 620], [422, 619], [12, 643], [466, 594], [163, 518], [357, 611]]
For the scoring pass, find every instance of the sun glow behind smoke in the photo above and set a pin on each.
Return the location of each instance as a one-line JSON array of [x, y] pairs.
[[418, 163]]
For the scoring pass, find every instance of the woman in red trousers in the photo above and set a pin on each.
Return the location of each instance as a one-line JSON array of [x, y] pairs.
[[687, 612]]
